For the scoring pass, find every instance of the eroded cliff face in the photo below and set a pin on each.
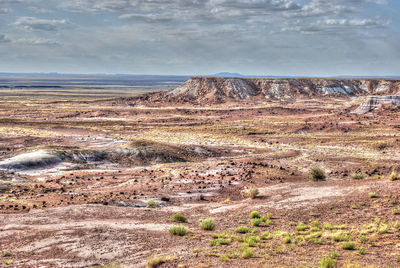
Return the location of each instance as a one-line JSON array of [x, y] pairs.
[[219, 90], [375, 102]]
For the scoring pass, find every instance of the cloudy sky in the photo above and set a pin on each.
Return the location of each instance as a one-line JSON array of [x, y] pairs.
[[260, 37]]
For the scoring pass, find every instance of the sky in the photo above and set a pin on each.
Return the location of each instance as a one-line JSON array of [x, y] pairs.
[[193, 37]]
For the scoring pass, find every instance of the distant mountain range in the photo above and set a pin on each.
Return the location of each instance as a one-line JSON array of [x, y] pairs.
[[183, 77]]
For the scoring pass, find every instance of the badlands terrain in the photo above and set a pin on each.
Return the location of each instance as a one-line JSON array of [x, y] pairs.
[[213, 173]]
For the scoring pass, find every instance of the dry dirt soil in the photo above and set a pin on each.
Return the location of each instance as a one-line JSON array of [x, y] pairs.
[[77, 173]]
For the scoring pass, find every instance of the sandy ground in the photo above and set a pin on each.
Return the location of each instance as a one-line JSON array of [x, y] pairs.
[[88, 208]]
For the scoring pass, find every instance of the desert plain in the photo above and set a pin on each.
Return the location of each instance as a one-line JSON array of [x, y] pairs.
[[102, 178]]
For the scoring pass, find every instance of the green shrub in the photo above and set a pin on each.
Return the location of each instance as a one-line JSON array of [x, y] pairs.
[[395, 211], [269, 215], [207, 224], [394, 176], [224, 258], [301, 227], [372, 195], [152, 204], [8, 262], [6, 254], [247, 253], [317, 174], [348, 245], [178, 230], [269, 222], [383, 229], [156, 261], [316, 224], [327, 263], [333, 255], [287, 239], [254, 214], [253, 240], [358, 176], [252, 192], [243, 230], [266, 235], [362, 251], [220, 241], [178, 218], [341, 236], [256, 222]]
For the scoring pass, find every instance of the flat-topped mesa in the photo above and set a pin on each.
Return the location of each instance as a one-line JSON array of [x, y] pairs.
[[220, 89], [375, 102]]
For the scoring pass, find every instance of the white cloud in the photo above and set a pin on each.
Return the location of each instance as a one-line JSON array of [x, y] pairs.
[[5, 10], [36, 24]]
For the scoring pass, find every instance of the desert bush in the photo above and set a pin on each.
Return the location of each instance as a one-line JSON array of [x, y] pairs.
[[247, 253], [333, 255], [6, 254], [253, 240], [301, 227], [252, 192], [256, 221], [362, 251], [178, 218], [383, 229], [243, 230], [156, 261], [316, 225], [327, 263], [269, 215], [266, 235], [254, 214], [207, 224], [394, 176], [287, 239], [372, 195], [317, 174], [151, 203], [178, 230], [220, 241], [348, 245], [395, 211], [8, 262], [358, 176]]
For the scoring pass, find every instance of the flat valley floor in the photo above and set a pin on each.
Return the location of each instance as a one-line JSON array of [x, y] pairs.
[[78, 169]]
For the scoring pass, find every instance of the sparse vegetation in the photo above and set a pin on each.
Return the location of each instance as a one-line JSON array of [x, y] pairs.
[[287, 239], [394, 176], [254, 214], [8, 262], [372, 195], [6, 254], [358, 176], [327, 262], [178, 230], [256, 221], [252, 192], [348, 245], [156, 261], [207, 224], [243, 230], [301, 227], [178, 218], [317, 174], [151, 203], [247, 253]]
